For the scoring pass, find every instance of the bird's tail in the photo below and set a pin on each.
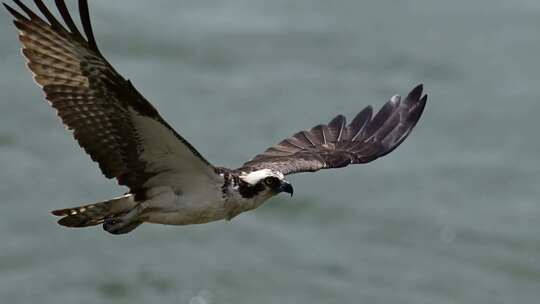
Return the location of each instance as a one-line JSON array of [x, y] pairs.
[[96, 213]]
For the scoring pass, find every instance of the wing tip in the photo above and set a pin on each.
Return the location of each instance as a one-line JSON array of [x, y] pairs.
[[395, 99], [14, 12], [369, 109], [54, 22], [416, 93], [66, 16], [424, 98], [420, 108], [84, 13], [27, 10], [340, 118]]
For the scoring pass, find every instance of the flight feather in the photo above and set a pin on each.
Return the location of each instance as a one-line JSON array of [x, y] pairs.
[[336, 144], [110, 119]]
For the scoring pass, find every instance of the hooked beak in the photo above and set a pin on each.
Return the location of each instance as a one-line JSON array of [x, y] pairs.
[[286, 187]]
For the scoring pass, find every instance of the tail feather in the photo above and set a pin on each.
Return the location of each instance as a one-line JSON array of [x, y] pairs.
[[95, 214]]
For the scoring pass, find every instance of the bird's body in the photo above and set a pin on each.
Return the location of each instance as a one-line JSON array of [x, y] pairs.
[[169, 181], [226, 197], [222, 200]]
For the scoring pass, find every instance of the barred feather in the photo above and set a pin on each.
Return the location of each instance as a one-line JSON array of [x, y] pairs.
[[96, 213], [108, 116]]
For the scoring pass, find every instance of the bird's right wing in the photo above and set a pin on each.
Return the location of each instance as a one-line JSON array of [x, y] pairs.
[[109, 118]]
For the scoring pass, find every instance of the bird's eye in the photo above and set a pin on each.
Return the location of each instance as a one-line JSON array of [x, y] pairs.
[[272, 181]]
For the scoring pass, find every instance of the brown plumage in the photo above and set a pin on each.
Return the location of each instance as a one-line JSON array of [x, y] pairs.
[[91, 98]]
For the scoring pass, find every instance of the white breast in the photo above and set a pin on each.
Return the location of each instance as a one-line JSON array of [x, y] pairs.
[[197, 205], [164, 206]]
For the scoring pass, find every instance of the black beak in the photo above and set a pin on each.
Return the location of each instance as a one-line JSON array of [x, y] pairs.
[[286, 187]]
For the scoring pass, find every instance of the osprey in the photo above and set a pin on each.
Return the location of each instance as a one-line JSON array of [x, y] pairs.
[[169, 181]]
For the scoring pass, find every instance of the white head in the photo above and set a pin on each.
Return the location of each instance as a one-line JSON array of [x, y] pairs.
[[265, 181], [254, 177]]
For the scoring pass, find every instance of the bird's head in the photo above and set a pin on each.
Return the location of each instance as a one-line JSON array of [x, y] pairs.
[[266, 182]]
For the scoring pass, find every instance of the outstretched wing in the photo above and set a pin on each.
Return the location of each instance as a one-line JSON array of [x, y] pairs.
[[337, 144], [109, 118]]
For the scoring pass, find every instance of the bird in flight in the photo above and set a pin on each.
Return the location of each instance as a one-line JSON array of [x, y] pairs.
[[169, 181]]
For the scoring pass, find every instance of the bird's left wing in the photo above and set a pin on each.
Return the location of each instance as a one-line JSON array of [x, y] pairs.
[[109, 118], [337, 144]]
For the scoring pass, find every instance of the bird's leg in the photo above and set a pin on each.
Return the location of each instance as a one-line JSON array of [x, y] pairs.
[[125, 222]]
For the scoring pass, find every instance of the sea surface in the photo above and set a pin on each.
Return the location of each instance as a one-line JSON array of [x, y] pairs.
[[451, 216]]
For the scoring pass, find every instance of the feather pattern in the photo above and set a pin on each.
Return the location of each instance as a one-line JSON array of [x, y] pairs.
[[337, 145], [110, 119]]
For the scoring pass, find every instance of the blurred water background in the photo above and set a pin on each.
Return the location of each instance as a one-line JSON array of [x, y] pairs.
[[452, 216]]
